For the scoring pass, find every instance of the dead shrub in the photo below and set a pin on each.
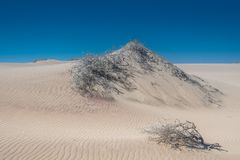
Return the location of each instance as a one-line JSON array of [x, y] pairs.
[[179, 135]]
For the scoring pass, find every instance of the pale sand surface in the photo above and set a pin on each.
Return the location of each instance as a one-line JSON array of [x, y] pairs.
[[41, 117]]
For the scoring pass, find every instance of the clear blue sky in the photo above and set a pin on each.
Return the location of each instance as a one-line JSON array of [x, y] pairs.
[[183, 31]]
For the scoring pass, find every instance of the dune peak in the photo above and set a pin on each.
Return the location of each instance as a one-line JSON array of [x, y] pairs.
[[134, 46]]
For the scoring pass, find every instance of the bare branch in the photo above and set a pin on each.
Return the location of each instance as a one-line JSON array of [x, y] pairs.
[[179, 135]]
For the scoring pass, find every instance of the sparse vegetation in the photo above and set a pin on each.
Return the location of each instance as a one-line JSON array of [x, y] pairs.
[[100, 76], [179, 135]]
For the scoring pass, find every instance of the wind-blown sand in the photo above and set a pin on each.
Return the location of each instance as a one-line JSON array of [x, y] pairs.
[[41, 117]]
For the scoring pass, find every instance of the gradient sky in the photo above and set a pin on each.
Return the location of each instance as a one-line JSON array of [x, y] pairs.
[[183, 31]]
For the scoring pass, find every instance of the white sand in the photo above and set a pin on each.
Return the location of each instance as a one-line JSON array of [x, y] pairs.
[[41, 117]]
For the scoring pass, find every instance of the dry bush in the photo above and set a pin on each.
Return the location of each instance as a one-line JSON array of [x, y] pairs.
[[100, 76], [179, 135]]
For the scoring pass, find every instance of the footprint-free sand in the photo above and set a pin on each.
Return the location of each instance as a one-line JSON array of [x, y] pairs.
[[43, 118]]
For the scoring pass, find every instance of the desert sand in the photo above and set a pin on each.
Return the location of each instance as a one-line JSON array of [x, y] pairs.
[[43, 118]]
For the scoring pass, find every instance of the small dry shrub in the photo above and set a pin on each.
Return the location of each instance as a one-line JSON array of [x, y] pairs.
[[179, 135]]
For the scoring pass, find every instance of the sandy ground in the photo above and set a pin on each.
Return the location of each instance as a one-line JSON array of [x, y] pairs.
[[42, 118]]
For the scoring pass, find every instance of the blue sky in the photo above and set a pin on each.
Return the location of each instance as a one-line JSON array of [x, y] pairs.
[[186, 31]]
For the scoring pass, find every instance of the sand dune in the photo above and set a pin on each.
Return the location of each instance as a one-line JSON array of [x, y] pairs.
[[42, 117], [138, 74]]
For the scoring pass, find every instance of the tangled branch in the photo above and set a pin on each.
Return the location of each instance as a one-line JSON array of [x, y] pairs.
[[179, 135]]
